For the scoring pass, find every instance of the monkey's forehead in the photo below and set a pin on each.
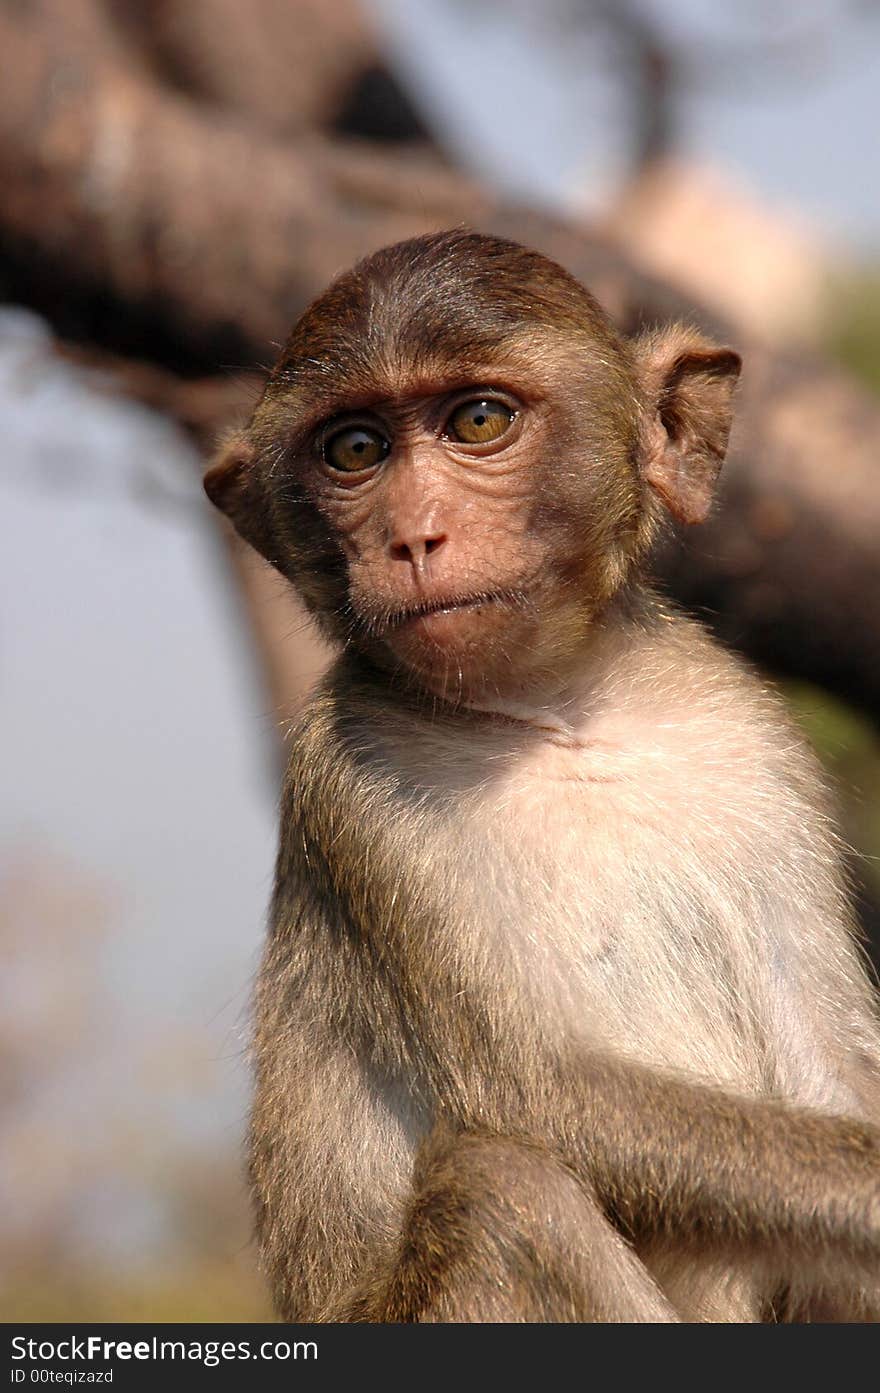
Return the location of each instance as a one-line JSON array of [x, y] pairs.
[[530, 365], [452, 297], [383, 340], [349, 365]]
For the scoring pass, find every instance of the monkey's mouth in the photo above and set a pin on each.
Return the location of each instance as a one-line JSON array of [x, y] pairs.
[[452, 604]]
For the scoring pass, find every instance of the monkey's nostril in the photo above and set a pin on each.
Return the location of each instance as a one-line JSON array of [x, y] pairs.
[[416, 550]]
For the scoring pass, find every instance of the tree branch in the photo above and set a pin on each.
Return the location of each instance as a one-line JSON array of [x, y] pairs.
[[154, 225]]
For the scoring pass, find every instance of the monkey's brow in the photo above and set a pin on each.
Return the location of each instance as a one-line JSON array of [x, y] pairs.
[[324, 402]]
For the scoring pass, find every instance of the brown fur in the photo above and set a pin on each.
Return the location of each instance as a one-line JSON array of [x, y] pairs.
[[561, 1017]]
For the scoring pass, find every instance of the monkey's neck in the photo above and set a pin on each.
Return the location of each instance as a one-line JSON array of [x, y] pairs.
[[542, 718], [558, 708]]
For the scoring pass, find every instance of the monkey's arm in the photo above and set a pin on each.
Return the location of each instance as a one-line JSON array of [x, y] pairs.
[[499, 1229], [674, 1160], [332, 1141], [785, 1194], [677, 1161]]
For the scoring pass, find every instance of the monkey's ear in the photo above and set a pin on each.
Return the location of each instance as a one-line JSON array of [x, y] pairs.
[[688, 384], [234, 486]]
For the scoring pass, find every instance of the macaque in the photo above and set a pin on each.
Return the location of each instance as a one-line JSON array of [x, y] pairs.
[[561, 1016]]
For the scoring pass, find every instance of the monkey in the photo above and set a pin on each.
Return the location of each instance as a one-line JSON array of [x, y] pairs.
[[562, 1015]]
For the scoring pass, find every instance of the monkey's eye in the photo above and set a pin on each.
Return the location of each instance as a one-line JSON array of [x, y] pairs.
[[355, 448], [479, 421]]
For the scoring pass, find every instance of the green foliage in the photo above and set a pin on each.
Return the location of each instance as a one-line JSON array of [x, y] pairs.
[[853, 335], [849, 746]]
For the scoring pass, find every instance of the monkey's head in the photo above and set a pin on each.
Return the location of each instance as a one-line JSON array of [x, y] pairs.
[[458, 461]]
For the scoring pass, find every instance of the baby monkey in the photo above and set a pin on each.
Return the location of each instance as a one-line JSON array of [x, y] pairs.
[[561, 1016]]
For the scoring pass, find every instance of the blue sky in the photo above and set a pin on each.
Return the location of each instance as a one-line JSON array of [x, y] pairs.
[[541, 116]]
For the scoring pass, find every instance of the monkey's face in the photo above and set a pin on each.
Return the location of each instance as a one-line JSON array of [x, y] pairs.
[[464, 533], [453, 457]]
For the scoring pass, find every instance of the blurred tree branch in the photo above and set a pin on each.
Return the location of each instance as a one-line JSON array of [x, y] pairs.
[[174, 189], [762, 48]]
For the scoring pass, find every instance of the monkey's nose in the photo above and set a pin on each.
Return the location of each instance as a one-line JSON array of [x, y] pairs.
[[416, 550]]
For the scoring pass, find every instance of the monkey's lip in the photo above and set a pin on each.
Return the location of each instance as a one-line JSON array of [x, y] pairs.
[[452, 604]]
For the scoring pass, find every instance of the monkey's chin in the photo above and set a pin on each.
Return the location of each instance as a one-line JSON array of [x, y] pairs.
[[465, 649]]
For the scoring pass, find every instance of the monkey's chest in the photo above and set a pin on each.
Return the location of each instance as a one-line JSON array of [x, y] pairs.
[[591, 888]]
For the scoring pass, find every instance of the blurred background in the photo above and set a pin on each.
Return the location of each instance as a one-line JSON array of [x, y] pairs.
[[177, 179]]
